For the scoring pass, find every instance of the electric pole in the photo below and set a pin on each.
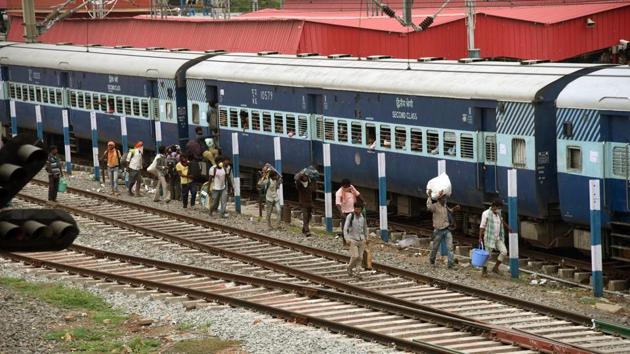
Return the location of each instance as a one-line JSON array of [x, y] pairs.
[[470, 26]]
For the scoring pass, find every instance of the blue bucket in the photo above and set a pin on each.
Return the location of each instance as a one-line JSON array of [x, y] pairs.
[[479, 257]]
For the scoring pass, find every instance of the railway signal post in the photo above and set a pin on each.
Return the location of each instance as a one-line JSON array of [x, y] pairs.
[[382, 196], [237, 172], [66, 140], [327, 189], [97, 174], [13, 118], [38, 122], [596, 238], [513, 220]]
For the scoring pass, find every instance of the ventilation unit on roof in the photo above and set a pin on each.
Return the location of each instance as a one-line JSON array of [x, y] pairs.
[[534, 61], [304, 55], [426, 59], [64, 43], [267, 53], [378, 57], [122, 46], [154, 48], [470, 60], [212, 51], [337, 56], [179, 49]]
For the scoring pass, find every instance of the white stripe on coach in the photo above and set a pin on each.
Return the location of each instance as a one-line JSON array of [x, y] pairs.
[[38, 114], [123, 125], [235, 144], [276, 149]]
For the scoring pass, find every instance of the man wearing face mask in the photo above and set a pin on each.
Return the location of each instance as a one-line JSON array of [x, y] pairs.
[[218, 187], [491, 231]]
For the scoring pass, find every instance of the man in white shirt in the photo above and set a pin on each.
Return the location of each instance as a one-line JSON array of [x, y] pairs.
[[134, 159], [491, 232], [218, 187]]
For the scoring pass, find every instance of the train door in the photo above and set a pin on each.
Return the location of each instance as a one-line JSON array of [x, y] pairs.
[[154, 109], [489, 147], [315, 108], [212, 97]]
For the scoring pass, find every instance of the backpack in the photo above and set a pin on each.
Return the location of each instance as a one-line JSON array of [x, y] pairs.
[[194, 170], [127, 156]]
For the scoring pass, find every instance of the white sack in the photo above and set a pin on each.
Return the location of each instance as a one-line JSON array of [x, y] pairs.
[[439, 184]]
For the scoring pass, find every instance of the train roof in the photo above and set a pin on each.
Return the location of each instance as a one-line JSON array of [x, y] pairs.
[[509, 81], [606, 89], [103, 60]]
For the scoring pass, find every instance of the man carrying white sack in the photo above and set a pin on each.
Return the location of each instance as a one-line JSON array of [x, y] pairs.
[[441, 225]]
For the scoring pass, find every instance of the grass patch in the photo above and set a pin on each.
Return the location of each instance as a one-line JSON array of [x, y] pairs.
[[184, 326], [99, 332], [201, 346], [587, 300]]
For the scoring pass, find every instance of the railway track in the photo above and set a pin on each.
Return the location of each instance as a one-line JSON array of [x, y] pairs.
[[328, 269], [369, 319]]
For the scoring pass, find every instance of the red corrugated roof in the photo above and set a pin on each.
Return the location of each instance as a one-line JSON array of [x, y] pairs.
[[551, 14]]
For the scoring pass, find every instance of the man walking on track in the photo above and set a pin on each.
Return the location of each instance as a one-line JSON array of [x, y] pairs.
[[134, 158], [441, 225], [355, 233], [491, 232], [305, 188], [112, 157]]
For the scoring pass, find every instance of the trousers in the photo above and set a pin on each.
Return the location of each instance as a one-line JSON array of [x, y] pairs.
[[53, 187], [438, 235], [112, 173], [162, 185], [219, 197], [356, 253], [270, 206], [189, 188], [307, 213]]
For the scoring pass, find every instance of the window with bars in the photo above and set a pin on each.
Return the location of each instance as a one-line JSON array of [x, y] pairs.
[[356, 131], [329, 129], [385, 136], [195, 113], [278, 123], [266, 122], [144, 109], [80, 100], [290, 125], [370, 135], [96, 102], [88, 101], [38, 94], [59, 97], [18, 92], [319, 128], [223, 117], [401, 138], [12, 91], [103, 103], [111, 104], [491, 148], [620, 160], [574, 158], [519, 152], [136, 107], [72, 98], [416, 140], [156, 109], [303, 126], [255, 120], [52, 98], [233, 118], [342, 131], [119, 105], [450, 144], [128, 110], [467, 144], [244, 116], [433, 142], [31, 93], [45, 95]]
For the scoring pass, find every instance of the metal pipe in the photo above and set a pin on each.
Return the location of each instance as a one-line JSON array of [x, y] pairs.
[[36, 229]]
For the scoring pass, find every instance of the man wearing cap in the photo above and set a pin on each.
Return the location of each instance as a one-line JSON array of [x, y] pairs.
[[441, 225], [112, 156], [134, 158], [491, 232]]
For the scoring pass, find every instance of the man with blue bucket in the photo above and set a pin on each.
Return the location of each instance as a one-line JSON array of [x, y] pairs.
[[492, 234], [441, 225]]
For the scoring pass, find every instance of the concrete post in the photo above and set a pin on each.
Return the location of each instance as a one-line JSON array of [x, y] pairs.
[[327, 188], [66, 140], [277, 152], [39, 123], [513, 219], [596, 238], [14, 127], [97, 172], [382, 197], [237, 172]]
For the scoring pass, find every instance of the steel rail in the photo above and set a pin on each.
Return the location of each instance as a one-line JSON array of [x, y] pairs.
[[444, 284]]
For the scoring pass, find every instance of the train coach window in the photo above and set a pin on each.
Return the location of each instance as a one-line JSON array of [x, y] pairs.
[[433, 142], [467, 146], [342, 131], [519, 152], [45, 95], [233, 118], [278, 123], [385, 137], [356, 131], [38, 94], [59, 96], [128, 110], [88, 101], [11, 91], [329, 129], [491, 148], [416, 140], [319, 128], [144, 109], [18, 92], [72, 97], [370, 135], [96, 102], [244, 116], [31, 93], [290, 125], [450, 144], [136, 107], [103, 103], [195, 113], [255, 120], [169, 110], [80, 100], [266, 122], [401, 138], [119, 105], [223, 118], [303, 126], [111, 104], [574, 158], [620, 160]]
